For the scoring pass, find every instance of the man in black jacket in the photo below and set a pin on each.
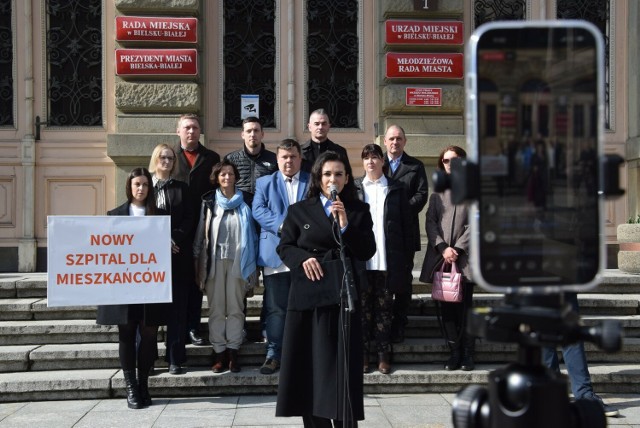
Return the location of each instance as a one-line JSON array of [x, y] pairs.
[[253, 160], [319, 126], [194, 163], [411, 173]]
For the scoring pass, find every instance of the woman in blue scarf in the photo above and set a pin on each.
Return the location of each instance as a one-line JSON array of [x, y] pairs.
[[225, 253]]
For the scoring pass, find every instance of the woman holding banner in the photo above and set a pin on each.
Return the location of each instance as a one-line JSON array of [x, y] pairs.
[[225, 252], [142, 319], [172, 196]]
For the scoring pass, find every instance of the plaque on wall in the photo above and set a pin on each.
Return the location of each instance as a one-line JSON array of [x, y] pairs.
[[424, 65], [406, 32], [136, 62], [156, 29], [423, 97]]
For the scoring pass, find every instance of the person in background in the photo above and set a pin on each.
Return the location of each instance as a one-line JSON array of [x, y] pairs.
[[225, 251], [173, 197], [274, 194], [313, 372], [193, 166], [319, 126], [575, 359], [410, 172], [253, 159], [448, 234], [389, 209], [136, 319]]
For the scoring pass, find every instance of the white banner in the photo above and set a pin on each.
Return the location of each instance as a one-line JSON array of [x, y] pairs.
[[108, 260]]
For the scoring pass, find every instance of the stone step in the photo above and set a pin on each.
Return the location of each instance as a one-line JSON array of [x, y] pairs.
[[34, 308], [416, 351], [405, 378], [26, 285], [37, 332]]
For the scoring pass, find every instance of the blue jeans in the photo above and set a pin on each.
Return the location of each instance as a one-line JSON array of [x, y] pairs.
[[276, 297], [574, 359]]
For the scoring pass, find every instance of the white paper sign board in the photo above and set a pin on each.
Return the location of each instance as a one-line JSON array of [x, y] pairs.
[[108, 260]]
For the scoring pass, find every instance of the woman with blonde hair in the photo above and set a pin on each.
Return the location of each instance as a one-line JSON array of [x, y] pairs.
[[172, 196]]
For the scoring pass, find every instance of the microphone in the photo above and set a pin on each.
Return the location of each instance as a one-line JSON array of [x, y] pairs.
[[333, 189]]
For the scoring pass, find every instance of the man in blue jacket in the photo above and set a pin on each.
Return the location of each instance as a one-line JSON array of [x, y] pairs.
[[274, 194]]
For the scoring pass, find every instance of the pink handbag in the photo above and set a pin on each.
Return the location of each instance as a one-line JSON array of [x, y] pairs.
[[447, 286]]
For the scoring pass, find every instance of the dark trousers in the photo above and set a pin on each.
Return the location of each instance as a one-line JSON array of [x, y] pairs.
[[318, 422], [177, 327], [144, 352], [402, 301], [377, 307], [194, 307]]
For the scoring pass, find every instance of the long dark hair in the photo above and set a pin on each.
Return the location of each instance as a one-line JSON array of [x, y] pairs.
[[150, 202], [315, 186]]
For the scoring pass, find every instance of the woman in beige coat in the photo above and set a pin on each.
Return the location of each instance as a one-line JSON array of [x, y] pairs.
[[448, 234]]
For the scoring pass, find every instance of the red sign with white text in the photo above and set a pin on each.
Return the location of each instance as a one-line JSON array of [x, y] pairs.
[[401, 32], [431, 97], [156, 29], [424, 65], [134, 62]]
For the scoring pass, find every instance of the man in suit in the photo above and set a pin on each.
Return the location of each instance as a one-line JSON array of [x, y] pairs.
[[274, 194], [319, 126], [194, 163], [410, 172]]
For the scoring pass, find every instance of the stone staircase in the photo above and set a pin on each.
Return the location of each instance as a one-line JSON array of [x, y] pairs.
[[60, 353]]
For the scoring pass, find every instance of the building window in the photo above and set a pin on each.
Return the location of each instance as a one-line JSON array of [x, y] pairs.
[[74, 61], [6, 64], [249, 58], [598, 12], [498, 10], [333, 60]]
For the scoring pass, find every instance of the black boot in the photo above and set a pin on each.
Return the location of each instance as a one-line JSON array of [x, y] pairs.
[[234, 366], [143, 384], [468, 351], [451, 336], [131, 386], [453, 363]]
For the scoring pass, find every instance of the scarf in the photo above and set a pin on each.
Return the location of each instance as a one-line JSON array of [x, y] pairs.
[[248, 236]]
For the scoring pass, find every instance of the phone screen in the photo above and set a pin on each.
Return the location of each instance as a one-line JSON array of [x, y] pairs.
[[538, 120]]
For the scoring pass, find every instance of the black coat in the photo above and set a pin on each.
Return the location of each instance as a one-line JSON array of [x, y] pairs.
[[397, 232], [309, 155], [197, 178], [412, 175], [180, 209], [251, 168], [153, 313], [312, 371]]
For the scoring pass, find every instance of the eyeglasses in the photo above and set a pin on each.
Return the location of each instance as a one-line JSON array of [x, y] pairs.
[[446, 161], [167, 158]]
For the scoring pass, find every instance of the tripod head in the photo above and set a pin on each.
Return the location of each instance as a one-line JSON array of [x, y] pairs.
[[525, 393]]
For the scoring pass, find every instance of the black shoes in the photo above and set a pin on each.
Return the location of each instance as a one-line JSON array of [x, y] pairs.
[[195, 338], [175, 369]]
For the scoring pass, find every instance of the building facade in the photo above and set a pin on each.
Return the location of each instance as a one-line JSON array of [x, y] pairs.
[[89, 87]]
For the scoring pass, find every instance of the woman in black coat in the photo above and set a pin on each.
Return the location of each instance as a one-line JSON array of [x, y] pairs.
[[312, 369], [142, 319], [386, 270], [173, 197]]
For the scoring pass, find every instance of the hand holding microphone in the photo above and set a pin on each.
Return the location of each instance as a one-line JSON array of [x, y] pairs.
[[337, 207]]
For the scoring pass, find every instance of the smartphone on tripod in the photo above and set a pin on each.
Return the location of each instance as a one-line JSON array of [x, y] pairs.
[[534, 118]]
